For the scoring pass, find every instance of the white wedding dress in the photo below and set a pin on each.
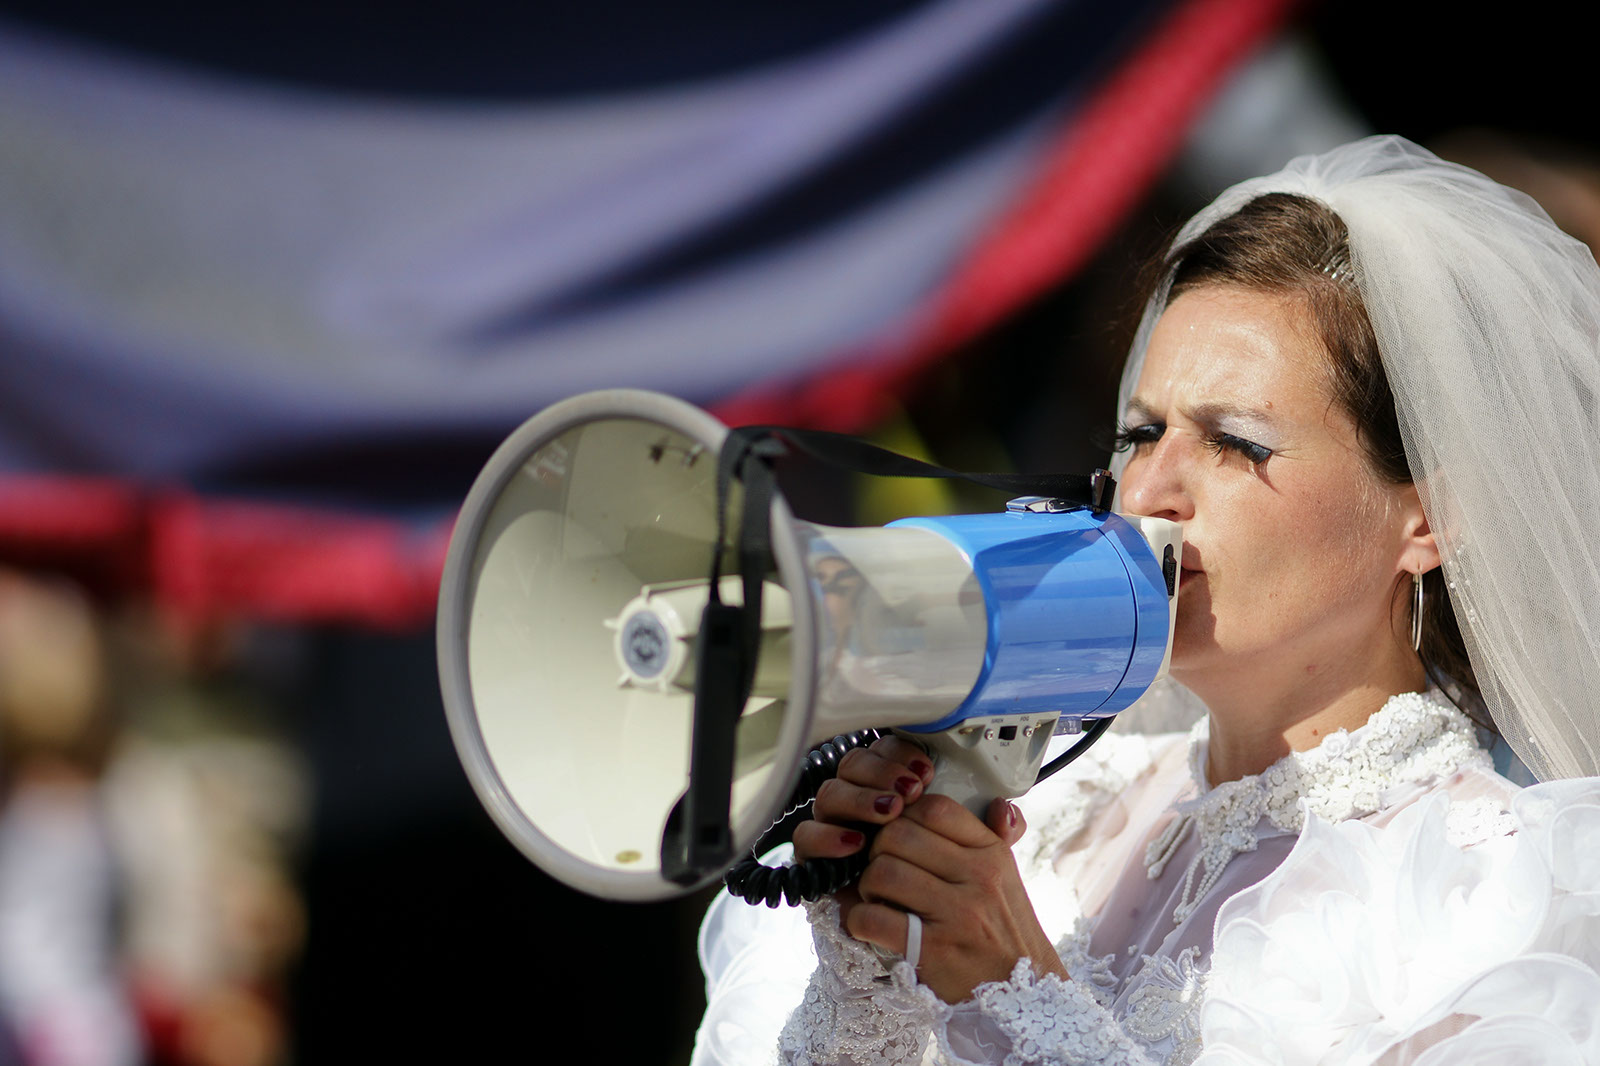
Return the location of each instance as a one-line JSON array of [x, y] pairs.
[[1384, 898]]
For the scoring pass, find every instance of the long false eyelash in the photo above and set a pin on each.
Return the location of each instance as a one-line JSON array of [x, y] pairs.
[[1133, 436], [1127, 436], [1255, 453]]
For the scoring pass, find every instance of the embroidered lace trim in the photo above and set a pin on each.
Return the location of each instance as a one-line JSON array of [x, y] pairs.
[[1163, 1009], [1166, 1006], [1415, 737], [1091, 971], [854, 1010], [1051, 1021]]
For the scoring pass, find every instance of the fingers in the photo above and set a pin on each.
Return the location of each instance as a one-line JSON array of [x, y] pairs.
[[901, 883], [823, 840], [1006, 822], [873, 788], [842, 808], [949, 819], [886, 763], [907, 839], [873, 784], [939, 835], [936, 832], [888, 927], [843, 801]]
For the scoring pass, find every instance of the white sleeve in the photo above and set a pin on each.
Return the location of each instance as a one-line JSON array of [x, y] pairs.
[[1398, 944], [857, 1011], [756, 961], [1036, 1021]]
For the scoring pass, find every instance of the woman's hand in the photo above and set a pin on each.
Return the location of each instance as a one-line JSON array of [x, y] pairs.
[[959, 875], [873, 787], [935, 858]]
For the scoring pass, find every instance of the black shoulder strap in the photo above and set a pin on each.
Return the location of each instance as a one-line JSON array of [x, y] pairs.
[[858, 456]]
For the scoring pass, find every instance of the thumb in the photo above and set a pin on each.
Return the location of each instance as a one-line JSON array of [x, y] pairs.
[[1006, 821]]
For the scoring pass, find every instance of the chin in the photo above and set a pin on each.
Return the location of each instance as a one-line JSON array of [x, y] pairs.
[[1198, 660], [1184, 669], [1194, 644]]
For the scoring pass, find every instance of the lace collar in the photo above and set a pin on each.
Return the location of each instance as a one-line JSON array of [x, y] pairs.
[[1415, 737]]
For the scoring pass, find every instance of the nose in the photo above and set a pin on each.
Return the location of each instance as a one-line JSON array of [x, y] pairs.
[[1155, 482]]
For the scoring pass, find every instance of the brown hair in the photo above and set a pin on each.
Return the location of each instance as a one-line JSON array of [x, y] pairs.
[[1293, 245]]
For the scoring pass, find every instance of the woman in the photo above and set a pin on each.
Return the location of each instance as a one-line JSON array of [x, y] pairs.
[[1352, 372]]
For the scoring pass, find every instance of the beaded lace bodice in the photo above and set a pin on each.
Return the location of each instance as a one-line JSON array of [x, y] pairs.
[[1414, 737]]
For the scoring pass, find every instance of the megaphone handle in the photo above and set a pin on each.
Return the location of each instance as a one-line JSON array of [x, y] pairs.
[[754, 882]]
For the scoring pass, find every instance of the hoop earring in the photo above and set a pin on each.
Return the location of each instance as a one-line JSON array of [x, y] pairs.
[[1416, 612]]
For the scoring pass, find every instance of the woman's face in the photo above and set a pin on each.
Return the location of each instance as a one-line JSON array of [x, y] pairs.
[[1292, 547]]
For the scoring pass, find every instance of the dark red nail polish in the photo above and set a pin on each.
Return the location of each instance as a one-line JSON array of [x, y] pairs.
[[1011, 814], [850, 838], [921, 768], [905, 785], [883, 804]]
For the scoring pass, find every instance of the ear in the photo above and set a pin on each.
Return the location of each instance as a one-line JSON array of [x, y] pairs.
[[1419, 551]]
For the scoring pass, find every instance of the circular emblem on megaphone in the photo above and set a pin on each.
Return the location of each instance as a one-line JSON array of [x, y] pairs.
[[643, 646]]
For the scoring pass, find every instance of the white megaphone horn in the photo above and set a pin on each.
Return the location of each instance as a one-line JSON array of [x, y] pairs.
[[574, 667]]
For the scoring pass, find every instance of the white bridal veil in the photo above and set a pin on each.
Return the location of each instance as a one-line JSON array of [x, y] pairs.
[[1488, 320]]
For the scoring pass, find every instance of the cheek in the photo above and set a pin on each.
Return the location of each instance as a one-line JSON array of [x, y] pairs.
[[1346, 526], [1308, 553]]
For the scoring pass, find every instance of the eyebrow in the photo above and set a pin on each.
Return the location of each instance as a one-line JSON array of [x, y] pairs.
[[1138, 408], [1209, 414]]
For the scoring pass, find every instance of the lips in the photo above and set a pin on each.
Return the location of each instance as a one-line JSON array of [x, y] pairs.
[[1189, 564]]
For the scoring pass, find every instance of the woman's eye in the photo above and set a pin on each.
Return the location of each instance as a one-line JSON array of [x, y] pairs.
[[1255, 453], [1136, 436]]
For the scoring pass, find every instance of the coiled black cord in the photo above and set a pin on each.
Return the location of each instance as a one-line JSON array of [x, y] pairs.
[[755, 882]]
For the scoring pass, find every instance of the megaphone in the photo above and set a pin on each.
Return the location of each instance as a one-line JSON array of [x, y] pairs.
[[570, 643]]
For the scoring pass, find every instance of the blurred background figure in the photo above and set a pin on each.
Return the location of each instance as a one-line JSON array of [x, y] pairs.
[[147, 906], [276, 279], [208, 804], [63, 995]]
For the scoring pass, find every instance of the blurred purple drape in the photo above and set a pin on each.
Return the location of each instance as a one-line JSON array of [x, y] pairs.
[[333, 304]]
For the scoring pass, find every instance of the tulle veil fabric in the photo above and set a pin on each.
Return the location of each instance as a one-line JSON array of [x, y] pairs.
[[1487, 317]]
